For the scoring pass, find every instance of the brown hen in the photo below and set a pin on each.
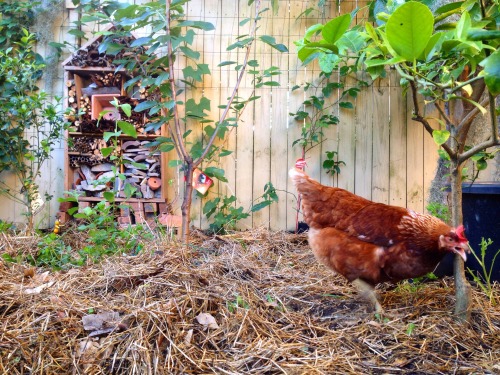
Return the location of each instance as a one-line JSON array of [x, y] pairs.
[[369, 243]]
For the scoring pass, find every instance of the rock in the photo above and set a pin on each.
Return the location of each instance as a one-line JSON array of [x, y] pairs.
[[128, 144], [89, 176], [105, 167], [153, 166], [146, 192], [94, 187], [107, 175]]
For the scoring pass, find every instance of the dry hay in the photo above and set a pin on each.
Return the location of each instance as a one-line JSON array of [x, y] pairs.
[[252, 303]]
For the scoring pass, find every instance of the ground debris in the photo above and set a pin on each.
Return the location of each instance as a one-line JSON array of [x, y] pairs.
[[249, 303]]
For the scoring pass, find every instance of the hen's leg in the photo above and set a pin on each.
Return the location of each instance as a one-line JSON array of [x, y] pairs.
[[368, 293]]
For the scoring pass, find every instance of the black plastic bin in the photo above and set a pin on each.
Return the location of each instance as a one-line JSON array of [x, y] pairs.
[[481, 217], [481, 211]]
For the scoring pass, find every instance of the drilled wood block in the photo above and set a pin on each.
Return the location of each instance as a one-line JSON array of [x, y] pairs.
[[63, 217], [65, 206], [124, 220], [125, 210]]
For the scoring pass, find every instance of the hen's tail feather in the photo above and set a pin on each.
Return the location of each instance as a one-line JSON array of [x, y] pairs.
[[302, 181]]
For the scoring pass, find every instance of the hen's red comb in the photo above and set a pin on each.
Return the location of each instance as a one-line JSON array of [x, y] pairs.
[[300, 164], [460, 233]]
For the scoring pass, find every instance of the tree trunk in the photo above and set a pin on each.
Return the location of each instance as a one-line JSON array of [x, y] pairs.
[[463, 290], [187, 199]]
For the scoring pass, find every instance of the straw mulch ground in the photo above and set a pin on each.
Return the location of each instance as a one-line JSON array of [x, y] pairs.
[[252, 303]]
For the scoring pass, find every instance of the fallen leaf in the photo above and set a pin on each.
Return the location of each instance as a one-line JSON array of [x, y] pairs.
[[101, 321], [39, 288], [207, 320], [189, 337]]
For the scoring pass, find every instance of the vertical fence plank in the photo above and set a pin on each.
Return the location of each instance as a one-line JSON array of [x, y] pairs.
[[415, 162], [364, 142], [398, 144], [263, 117], [279, 143], [381, 141], [228, 27]]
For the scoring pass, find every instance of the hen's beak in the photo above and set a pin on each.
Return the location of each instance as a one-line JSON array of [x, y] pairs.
[[462, 250]]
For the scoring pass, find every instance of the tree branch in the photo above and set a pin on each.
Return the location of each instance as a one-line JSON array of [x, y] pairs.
[[465, 124], [177, 134], [493, 141], [236, 87], [418, 117], [443, 113]]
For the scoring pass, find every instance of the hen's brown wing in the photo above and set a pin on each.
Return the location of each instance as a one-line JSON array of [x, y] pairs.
[[378, 223], [325, 206]]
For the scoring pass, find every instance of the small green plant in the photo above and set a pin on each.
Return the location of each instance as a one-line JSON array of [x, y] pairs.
[[232, 306], [226, 215], [105, 235], [415, 284], [410, 329], [5, 227], [54, 253], [483, 280], [274, 302], [332, 164], [439, 210]]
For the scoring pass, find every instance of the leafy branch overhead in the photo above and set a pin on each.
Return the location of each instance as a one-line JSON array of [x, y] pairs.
[[444, 62]]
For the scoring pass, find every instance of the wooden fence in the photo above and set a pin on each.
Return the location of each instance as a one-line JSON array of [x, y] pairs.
[[387, 157]]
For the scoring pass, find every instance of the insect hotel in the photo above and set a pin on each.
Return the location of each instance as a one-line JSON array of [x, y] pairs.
[[95, 92]]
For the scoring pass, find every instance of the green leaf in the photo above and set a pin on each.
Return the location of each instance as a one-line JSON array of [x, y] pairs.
[[440, 136], [463, 26], [144, 105], [481, 164], [109, 196], [480, 34], [129, 190], [334, 29], [275, 6], [272, 42], [206, 26], [378, 62], [433, 46], [215, 172], [313, 30], [106, 151], [347, 105], [139, 165], [328, 62], [197, 110], [127, 109], [224, 63], [409, 29], [107, 135], [491, 72], [127, 128], [259, 206], [77, 33], [141, 41]]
